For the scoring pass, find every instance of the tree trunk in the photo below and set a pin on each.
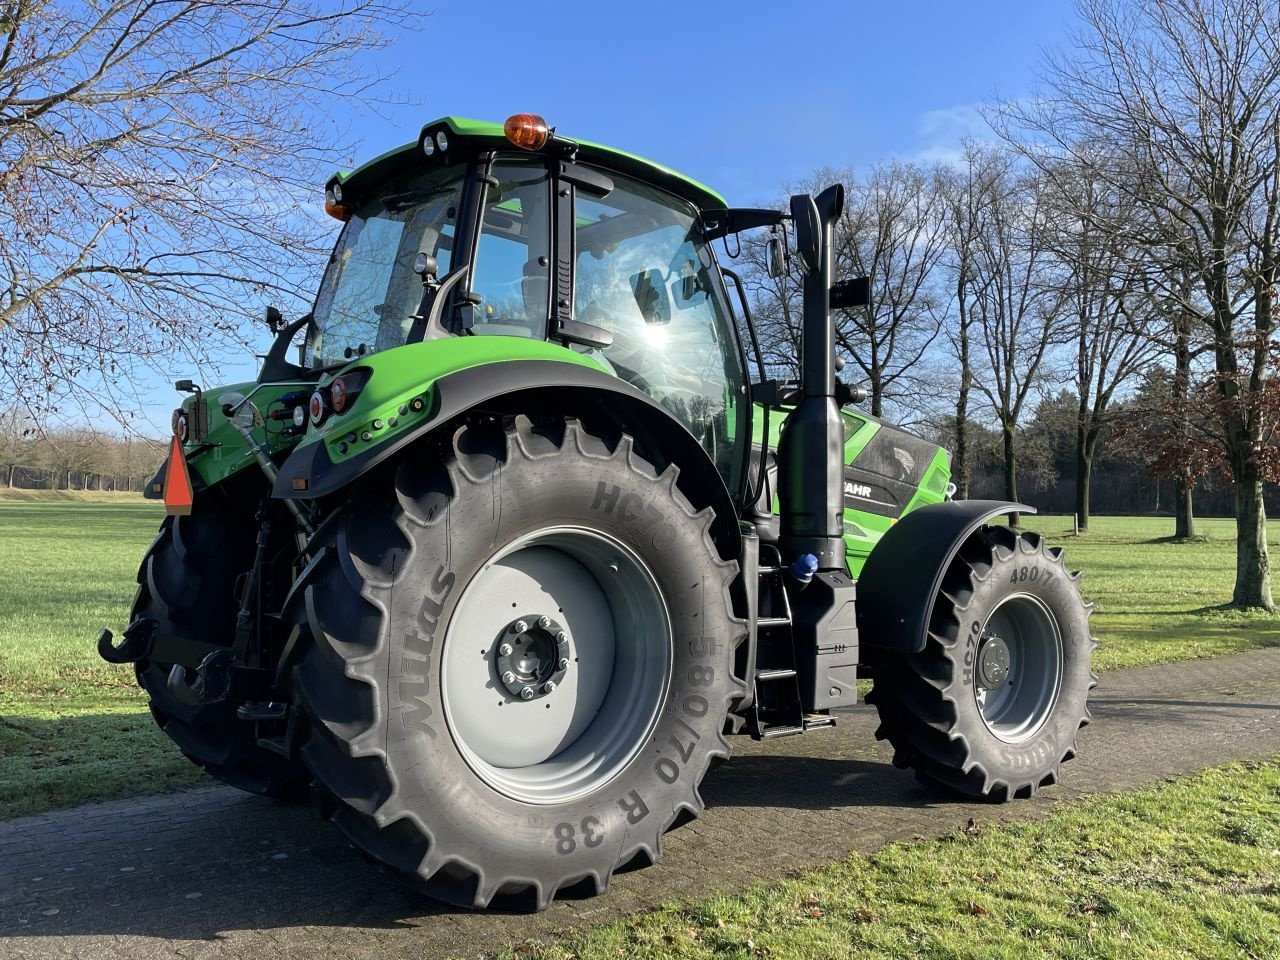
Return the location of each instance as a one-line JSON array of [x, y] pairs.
[[1253, 564], [1086, 448], [1184, 524], [960, 464], [1010, 471], [1184, 520]]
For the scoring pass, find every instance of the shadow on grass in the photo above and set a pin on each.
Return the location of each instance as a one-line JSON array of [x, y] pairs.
[[65, 761], [1253, 614]]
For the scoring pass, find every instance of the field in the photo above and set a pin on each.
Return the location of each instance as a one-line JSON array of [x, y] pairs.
[[73, 728]]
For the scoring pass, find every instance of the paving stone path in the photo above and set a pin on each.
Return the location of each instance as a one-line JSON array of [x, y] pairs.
[[212, 872]]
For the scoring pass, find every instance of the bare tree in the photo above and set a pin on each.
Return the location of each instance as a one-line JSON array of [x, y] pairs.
[[966, 193], [16, 436], [1103, 299], [892, 232], [1188, 93], [154, 159], [1017, 311]]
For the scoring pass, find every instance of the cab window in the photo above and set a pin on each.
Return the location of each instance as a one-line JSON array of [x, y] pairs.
[[369, 294], [644, 273], [513, 255]]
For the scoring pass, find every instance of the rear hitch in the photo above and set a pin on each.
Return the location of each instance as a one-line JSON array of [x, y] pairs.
[[212, 683], [139, 637]]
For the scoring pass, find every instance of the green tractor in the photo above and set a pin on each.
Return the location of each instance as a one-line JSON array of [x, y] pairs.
[[495, 562]]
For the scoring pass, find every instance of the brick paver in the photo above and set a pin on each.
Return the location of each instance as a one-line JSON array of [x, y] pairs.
[[214, 873]]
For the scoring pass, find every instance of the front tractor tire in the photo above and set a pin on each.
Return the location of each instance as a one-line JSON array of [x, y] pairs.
[[992, 705], [187, 585], [519, 664]]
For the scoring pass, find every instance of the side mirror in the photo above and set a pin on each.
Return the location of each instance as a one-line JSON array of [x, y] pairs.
[[777, 254], [689, 283], [808, 227], [651, 296], [273, 319]]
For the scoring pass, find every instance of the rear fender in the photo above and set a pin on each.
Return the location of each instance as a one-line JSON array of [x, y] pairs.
[[534, 386], [904, 572]]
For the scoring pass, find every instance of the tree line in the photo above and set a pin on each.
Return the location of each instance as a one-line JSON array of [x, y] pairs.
[[1111, 252], [73, 458]]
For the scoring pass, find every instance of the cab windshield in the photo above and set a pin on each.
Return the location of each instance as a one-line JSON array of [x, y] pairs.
[[645, 274], [369, 293]]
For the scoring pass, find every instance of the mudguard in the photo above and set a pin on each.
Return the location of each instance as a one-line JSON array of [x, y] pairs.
[[534, 386], [902, 576]]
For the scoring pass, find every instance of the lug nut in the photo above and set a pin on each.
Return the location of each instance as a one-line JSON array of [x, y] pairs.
[[564, 663], [548, 686], [519, 627], [544, 622], [508, 677], [561, 637], [526, 693], [505, 650]]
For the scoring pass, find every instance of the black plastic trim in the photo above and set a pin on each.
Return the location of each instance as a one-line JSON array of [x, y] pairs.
[[902, 576], [721, 223]]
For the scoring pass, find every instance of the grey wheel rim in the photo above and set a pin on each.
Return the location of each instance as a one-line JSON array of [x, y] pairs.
[[556, 664], [1017, 672]]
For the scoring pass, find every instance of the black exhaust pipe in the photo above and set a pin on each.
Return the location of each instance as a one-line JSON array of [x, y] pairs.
[[811, 449]]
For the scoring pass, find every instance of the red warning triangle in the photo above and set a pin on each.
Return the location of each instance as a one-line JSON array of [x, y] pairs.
[[178, 494]]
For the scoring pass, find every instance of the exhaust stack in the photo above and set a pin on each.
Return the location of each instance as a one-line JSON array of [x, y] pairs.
[[811, 496]]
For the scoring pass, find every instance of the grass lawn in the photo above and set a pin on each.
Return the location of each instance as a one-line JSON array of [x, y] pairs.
[[73, 728], [1156, 600], [1188, 869]]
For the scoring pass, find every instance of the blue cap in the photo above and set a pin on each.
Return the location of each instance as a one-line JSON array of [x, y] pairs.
[[805, 567]]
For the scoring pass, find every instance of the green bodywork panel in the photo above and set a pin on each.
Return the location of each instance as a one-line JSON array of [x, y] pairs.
[[863, 528], [491, 136], [396, 378]]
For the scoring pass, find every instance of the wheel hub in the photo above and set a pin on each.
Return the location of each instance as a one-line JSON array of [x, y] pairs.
[[1019, 667], [532, 656], [993, 663], [554, 746]]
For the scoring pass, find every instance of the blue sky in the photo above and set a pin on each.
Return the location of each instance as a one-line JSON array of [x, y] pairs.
[[746, 96]]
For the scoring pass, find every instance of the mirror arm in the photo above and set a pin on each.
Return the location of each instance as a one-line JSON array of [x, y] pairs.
[[274, 365], [435, 329]]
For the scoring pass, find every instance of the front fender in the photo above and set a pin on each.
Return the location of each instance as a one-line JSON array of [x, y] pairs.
[[904, 572]]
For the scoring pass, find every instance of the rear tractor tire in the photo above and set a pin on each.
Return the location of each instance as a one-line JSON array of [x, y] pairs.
[[519, 663], [992, 705], [187, 585]]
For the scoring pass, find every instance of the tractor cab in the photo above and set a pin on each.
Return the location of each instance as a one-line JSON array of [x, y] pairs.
[[559, 243]]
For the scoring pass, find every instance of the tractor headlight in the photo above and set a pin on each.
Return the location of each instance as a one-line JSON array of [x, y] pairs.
[[299, 416], [442, 141], [428, 146]]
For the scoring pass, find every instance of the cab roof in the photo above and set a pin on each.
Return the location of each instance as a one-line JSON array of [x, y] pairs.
[[470, 136]]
